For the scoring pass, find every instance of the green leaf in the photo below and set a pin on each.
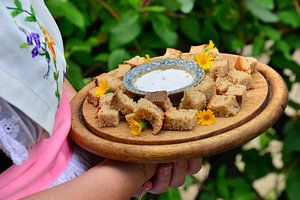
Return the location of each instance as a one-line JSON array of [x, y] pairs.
[[258, 46], [30, 19], [290, 17], [15, 13], [75, 44], [263, 14], [65, 8], [116, 57], [293, 184], [241, 189], [266, 138], [236, 43], [24, 45], [268, 4], [186, 5], [134, 3], [292, 140], [74, 75], [280, 61], [163, 28], [222, 187], [32, 11], [102, 57], [253, 170], [128, 28], [191, 28], [270, 32], [18, 4], [283, 47], [170, 194], [227, 16], [157, 9]]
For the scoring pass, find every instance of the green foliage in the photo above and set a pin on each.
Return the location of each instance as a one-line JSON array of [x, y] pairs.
[[98, 35]]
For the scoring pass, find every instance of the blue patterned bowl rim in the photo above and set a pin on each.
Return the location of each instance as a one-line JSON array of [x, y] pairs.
[[187, 65]]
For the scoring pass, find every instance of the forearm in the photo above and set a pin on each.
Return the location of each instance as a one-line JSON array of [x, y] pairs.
[[105, 181]]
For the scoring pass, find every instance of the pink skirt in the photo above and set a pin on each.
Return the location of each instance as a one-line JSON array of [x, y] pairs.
[[47, 160]]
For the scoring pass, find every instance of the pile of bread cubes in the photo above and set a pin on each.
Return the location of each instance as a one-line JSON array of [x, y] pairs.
[[223, 90]]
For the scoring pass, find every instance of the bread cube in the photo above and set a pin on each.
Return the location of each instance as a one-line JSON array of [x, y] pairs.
[[159, 98], [172, 53], [188, 56], [224, 105], [219, 69], [122, 103], [146, 110], [108, 117], [240, 78], [197, 49], [239, 91], [207, 86], [180, 120], [222, 84], [135, 61], [92, 97], [105, 100], [193, 99], [246, 64]]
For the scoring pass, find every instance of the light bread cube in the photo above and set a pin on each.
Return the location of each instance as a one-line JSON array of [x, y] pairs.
[[246, 64], [193, 99], [219, 69], [197, 49], [108, 117], [240, 78], [239, 91], [105, 100], [92, 97], [172, 53], [122, 103], [146, 110], [224, 105], [180, 120], [188, 56], [222, 84], [135, 61], [207, 86]]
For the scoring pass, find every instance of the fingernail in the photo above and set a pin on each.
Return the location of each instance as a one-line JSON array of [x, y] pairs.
[[167, 171]]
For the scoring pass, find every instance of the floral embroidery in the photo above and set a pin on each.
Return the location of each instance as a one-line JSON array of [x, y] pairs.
[[40, 45]]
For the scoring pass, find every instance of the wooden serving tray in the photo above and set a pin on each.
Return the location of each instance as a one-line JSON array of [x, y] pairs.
[[264, 105]]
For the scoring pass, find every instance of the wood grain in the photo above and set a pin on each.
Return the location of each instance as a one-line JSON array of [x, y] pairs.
[[261, 112]]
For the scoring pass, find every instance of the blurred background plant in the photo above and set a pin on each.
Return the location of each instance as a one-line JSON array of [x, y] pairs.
[[99, 34]]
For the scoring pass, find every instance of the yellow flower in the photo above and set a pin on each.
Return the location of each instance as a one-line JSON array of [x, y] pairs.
[[147, 58], [204, 60], [205, 117], [50, 42], [211, 45], [102, 88], [136, 127]]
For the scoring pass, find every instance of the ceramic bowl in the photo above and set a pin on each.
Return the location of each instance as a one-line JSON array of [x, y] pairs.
[[172, 75]]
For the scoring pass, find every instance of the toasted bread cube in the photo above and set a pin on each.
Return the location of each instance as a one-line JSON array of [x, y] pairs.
[[219, 69], [92, 97], [239, 91], [197, 49], [224, 105], [240, 78], [101, 77], [246, 64], [159, 98], [188, 56], [172, 53], [207, 86], [180, 120], [120, 72], [135, 61], [122, 103], [148, 111], [193, 99], [105, 100], [108, 117], [115, 84], [222, 84]]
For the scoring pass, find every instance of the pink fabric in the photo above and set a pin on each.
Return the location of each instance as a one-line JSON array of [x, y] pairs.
[[47, 160]]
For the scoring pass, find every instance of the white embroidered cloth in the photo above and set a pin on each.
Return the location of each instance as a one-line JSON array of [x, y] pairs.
[[32, 63]]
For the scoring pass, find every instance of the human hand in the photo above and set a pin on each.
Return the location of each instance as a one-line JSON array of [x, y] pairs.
[[172, 175]]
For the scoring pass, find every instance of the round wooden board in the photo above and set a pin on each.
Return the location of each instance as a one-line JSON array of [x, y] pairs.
[[265, 103]]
